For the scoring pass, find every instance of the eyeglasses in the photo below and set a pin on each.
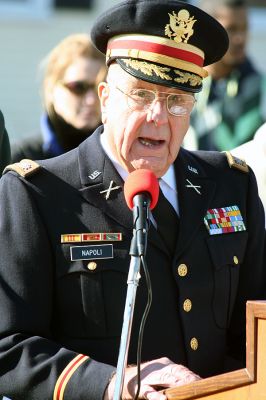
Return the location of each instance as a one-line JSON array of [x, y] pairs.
[[79, 88], [143, 99]]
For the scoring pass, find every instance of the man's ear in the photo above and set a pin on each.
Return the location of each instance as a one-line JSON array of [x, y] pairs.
[[103, 93]]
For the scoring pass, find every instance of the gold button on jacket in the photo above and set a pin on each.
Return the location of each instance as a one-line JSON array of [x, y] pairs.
[[182, 270]]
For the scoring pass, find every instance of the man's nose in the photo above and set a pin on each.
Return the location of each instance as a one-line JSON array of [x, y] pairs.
[[158, 112]]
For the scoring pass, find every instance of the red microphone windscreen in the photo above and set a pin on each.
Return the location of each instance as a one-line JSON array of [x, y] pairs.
[[139, 181]]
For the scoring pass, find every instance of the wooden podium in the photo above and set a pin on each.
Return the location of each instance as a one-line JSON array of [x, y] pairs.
[[244, 384]]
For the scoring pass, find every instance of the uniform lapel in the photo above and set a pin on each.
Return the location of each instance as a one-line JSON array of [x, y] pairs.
[[155, 239], [97, 174], [193, 205]]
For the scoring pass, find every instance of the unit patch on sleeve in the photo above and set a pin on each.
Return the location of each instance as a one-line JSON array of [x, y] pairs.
[[224, 220]]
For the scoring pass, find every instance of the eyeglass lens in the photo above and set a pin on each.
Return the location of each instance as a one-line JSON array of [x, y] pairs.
[[177, 104]]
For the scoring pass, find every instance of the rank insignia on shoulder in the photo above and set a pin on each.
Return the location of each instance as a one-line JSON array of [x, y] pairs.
[[23, 168], [224, 220], [91, 237], [235, 162]]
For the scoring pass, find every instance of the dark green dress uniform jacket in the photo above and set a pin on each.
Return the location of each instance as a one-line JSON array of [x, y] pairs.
[[4, 145], [56, 308]]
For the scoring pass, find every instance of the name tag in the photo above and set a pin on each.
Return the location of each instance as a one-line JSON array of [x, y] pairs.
[[91, 252]]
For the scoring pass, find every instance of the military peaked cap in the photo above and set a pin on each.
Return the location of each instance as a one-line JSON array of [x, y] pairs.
[[167, 42]]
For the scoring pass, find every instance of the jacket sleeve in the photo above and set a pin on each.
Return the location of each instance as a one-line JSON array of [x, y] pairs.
[[4, 145], [252, 277], [33, 365]]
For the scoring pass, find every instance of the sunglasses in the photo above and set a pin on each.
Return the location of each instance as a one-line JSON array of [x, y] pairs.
[[79, 88]]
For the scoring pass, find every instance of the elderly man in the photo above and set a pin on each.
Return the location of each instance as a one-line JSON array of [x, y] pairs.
[[66, 229], [4, 145]]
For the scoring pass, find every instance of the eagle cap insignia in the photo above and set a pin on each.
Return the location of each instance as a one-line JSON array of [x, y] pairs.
[[180, 27]]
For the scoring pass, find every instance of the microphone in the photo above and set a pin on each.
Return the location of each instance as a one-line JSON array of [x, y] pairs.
[[141, 192]]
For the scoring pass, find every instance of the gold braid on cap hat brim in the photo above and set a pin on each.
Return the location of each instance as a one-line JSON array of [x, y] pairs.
[[150, 69]]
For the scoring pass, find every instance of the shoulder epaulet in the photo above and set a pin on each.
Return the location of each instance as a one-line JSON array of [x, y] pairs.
[[235, 162], [23, 168]]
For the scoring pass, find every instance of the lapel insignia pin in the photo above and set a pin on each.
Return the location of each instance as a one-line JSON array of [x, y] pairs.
[[195, 187], [192, 169], [91, 237], [94, 175], [224, 220], [108, 191]]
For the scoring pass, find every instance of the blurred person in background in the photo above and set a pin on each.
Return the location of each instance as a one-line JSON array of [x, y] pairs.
[[232, 104], [4, 145], [254, 153], [72, 72]]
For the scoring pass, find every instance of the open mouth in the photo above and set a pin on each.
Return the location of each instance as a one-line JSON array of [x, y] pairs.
[[150, 142]]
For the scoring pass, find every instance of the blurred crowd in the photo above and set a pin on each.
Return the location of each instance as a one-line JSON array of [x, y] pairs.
[[232, 104], [71, 73], [231, 109]]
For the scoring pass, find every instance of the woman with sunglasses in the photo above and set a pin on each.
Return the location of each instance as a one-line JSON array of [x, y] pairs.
[[72, 71]]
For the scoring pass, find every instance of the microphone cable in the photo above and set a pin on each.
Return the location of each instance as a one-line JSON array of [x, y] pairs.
[[143, 321]]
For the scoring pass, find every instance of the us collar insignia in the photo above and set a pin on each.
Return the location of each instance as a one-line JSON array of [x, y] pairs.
[[91, 237], [180, 27], [192, 169], [224, 220], [94, 175]]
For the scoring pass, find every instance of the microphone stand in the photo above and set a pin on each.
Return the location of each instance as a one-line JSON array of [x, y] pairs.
[[137, 249]]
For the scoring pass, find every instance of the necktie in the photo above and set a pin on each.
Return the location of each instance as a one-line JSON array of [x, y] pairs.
[[167, 222]]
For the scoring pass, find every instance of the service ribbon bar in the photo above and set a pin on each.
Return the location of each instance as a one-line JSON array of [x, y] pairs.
[[224, 220], [91, 237]]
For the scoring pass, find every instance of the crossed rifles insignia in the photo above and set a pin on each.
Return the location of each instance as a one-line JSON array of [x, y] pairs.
[[110, 188]]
